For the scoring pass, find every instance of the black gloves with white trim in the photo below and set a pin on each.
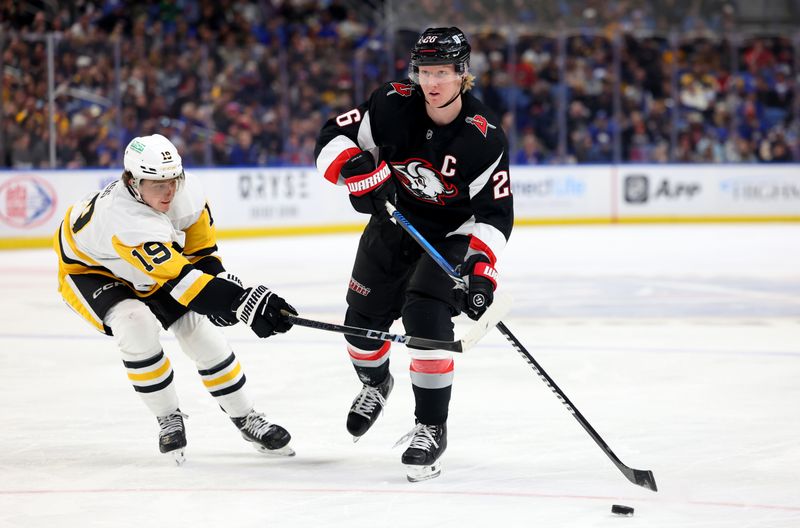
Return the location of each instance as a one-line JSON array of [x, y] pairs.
[[260, 309], [226, 319], [369, 186], [481, 279]]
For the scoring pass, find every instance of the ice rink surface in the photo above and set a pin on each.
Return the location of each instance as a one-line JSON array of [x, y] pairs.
[[679, 344]]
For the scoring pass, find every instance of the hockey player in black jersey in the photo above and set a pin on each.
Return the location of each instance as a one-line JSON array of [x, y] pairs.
[[436, 152]]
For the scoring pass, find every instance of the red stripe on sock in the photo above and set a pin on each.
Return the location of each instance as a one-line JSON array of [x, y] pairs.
[[371, 355], [432, 366]]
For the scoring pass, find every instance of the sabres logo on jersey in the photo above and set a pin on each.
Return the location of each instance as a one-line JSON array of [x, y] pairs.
[[401, 89], [480, 123], [423, 181]]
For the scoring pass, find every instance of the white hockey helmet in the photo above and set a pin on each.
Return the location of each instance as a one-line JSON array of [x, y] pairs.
[[152, 158]]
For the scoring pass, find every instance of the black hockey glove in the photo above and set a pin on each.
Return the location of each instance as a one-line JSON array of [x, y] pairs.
[[228, 319], [481, 280], [260, 309], [369, 187]]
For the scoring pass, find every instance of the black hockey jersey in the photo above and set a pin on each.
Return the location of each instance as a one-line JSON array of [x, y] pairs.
[[452, 179]]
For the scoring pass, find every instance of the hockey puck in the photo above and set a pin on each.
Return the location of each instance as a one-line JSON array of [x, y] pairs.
[[619, 509]]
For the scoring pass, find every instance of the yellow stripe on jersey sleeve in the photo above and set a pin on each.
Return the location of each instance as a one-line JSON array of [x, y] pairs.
[[191, 291], [165, 265], [200, 235], [155, 259]]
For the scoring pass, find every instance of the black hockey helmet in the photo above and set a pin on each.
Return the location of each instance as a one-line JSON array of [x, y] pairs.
[[439, 46]]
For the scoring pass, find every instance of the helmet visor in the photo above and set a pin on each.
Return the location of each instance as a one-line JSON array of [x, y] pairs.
[[428, 74]]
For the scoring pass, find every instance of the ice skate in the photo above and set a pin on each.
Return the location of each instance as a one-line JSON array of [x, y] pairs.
[[367, 406], [172, 437], [422, 458], [265, 437]]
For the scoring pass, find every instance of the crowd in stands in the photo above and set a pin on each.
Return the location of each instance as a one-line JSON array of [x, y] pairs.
[[246, 83]]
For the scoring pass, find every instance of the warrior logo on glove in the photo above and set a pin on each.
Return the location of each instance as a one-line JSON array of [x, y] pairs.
[[369, 186], [481, 279], [261, 310], [478, 300]]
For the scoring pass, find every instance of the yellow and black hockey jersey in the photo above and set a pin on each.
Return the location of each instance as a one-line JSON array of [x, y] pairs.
[[111, 233]]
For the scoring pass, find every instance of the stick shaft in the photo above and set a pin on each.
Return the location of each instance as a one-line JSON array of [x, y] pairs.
[[639, 477], [452, 346], [429, 249]]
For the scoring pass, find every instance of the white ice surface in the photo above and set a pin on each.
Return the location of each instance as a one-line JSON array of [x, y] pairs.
[[679, 344]]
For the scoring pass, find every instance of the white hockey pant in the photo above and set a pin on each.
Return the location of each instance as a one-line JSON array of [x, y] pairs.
[[136, 331]]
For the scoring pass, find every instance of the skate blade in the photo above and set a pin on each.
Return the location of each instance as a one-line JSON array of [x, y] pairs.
[[284, 451], [420, 473], [177, 455]]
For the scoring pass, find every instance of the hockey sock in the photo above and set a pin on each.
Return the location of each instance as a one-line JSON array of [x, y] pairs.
[[372, 366], [152, 379], [432, 382], [225, 381]]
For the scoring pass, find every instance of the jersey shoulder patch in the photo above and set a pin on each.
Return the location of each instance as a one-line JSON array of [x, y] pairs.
[[394, 107], [400, 88], [393, 99], [481, 123], [480, 116]]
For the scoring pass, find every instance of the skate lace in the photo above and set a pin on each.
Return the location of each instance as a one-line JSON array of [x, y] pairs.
[[421, 437], [367, 400], [256, 424], [171, 423]]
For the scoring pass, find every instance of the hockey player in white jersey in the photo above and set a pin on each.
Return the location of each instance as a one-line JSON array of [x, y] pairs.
[[141, 254]]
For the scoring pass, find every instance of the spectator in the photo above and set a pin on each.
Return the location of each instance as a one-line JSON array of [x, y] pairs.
[[211, 68], [28, 155], [530, 153], [244, 153]]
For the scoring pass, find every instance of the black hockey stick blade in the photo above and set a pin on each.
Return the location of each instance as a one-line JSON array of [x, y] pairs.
[[640, 477]]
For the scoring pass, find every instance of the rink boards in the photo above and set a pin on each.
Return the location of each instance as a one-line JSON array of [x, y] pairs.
[[287, 201]]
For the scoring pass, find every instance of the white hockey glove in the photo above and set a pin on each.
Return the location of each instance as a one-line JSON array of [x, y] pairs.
[[260, 309], [226, 319]]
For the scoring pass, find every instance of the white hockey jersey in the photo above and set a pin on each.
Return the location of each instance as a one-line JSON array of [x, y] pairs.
[[111, 233]]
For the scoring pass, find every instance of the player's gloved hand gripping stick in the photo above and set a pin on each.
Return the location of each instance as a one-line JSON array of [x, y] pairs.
[[369, 186], [640, 477]]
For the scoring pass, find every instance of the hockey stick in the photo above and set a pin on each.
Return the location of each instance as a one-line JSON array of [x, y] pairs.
[[640, 477], [480, 328]]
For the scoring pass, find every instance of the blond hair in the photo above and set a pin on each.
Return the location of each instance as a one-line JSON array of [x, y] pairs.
[[468, 82]]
